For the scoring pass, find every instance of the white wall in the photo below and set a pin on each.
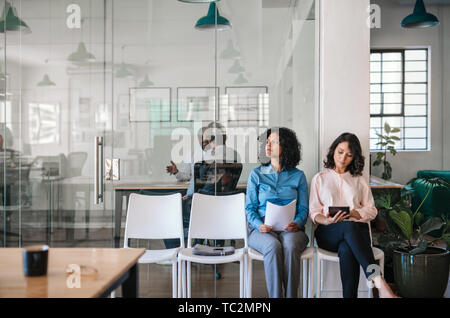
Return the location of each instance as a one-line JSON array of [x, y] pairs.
[[344, 92], [391, 35], [344, 73]]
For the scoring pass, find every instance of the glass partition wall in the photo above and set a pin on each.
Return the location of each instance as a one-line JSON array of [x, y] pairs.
[[99, 97]]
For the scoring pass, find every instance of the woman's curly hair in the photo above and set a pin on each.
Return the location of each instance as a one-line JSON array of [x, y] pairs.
[[290, 147], [356, 167]]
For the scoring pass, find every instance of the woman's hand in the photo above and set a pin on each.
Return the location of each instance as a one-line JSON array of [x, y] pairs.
[[327, 220], [264, 228], [338, 217], [292, 227], [355, 214]]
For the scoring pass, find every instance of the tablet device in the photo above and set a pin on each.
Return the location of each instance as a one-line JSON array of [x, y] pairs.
[[332, 210]]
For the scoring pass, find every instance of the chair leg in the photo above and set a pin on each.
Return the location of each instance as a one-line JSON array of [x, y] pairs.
[[319, 267], [179, 279], [174, 279], [311, 277], [241, 279], [304, 279], [249, 277], [188, 279]]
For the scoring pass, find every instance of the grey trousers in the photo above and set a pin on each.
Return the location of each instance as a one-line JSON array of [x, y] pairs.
[[282, 251]]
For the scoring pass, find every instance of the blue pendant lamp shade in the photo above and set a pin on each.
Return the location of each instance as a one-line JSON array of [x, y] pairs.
[[420, 18], [10, 21], [211, 21]]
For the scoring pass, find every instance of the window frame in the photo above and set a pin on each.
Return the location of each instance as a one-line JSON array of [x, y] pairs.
[[403, 83]]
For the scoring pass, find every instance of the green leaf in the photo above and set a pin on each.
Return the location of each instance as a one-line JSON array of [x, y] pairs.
[[381, 136], [430, 225], [376, 163], [395, 137], [446, 239], [403, 221], [395, 130], [391, 142], [421, 247], [418, 219], [387, 128]]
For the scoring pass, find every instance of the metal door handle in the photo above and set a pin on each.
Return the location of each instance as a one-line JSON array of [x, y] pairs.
[[98, 175]]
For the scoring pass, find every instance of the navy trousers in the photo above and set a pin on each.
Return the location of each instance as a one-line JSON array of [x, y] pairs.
[[351, 240]]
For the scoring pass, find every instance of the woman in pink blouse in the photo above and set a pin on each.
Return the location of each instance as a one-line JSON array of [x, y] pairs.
[[342, 184]]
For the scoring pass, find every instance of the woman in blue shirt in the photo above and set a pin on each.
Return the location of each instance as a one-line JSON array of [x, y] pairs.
[[278, 181]]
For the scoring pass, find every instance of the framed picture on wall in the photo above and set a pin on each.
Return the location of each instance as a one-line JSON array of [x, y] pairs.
[[44, 123], [245, 106], [196, 103], [150, 104]]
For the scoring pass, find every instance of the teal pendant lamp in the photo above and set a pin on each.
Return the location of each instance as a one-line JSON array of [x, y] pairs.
[[46, 81], [420, 18], [236, 67], [81, 54], [230, 52], [146, 82], [211, 21], [240, 79], [10, 21]]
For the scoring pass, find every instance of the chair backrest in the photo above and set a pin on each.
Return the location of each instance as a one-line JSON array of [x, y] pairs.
[[218, 217], [154, 217], [216, 177], [75, 163]]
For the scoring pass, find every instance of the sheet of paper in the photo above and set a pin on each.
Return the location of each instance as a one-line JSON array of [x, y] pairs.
[[279, 216]]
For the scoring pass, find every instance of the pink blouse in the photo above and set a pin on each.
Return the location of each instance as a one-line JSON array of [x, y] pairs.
[[329, 188]]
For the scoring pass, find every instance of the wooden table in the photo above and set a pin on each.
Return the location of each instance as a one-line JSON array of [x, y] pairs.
[[115, 267]]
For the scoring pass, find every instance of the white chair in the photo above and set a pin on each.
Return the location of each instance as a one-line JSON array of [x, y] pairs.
[[324, 255], [156, 217], [216, 218], [307, 259]]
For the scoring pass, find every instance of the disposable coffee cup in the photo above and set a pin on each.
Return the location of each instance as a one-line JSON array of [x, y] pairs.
[[35, 260]]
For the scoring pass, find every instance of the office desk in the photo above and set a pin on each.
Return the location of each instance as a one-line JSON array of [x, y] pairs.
[[115, 267], [124, 188]]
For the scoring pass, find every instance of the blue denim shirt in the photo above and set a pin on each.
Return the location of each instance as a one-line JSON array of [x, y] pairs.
[[265, 184]]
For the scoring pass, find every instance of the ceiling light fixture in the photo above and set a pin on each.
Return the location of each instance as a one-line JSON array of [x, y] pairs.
[[420, 18], [236, 67], [146, 82], [230, 52], [11, 22], [81, 54], [213, 21], [240, 80]]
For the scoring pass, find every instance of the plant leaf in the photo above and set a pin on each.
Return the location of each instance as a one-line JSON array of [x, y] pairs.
[[395, 130], [431, 224], [418, 219], [421, 247], [387, 128], [395, 137], [404, 221]]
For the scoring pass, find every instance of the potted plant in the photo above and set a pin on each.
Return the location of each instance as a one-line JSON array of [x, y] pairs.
[[387, 143], [420, 269]]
